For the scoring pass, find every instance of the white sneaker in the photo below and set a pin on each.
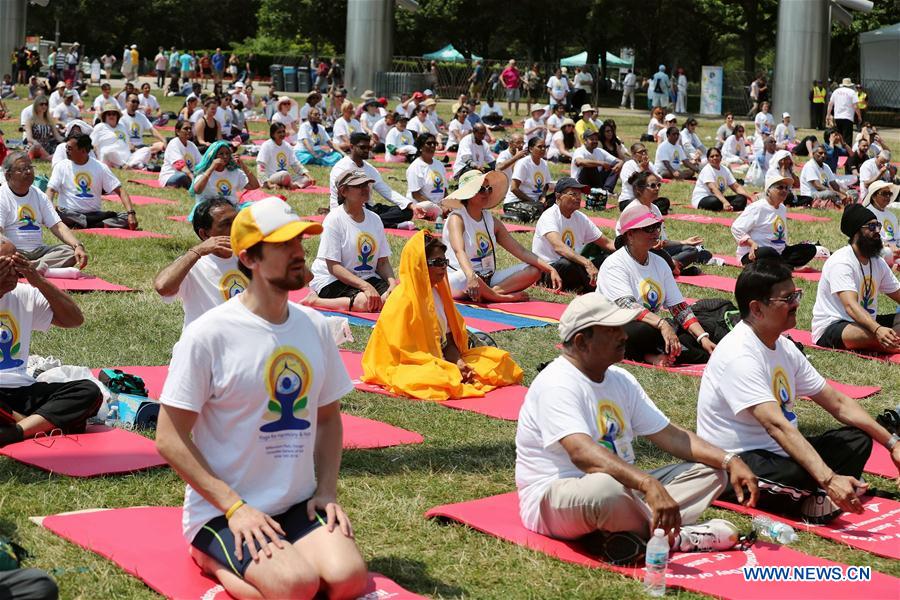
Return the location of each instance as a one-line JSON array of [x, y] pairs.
[[408, 225], [715, 534], [715, 261]]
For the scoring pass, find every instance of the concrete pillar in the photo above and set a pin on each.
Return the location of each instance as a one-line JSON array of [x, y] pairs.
[[370, 32], [802, 47], [12, 30]]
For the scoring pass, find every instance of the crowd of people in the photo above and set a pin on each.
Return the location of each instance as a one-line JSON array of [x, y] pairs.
[[261, 511]]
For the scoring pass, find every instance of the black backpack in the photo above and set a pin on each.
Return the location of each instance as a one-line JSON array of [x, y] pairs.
[[120, 382], [717, 316]]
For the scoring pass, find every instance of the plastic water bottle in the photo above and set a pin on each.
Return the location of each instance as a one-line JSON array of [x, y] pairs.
[[778, 532], [439, 224], [112, 415], [656, 561]]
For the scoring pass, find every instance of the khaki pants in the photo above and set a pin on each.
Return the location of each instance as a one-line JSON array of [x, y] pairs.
[[51, 257], [574, 507]]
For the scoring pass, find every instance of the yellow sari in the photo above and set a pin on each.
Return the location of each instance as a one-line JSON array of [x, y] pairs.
[[404, 352]]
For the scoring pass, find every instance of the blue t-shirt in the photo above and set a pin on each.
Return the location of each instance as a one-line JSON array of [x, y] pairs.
[[218, 61], [832, 153], [185, 60]]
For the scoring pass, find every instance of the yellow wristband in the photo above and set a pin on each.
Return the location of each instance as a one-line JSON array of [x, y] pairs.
[[234, 507]]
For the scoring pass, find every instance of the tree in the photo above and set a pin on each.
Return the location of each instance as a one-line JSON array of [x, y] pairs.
[[319, 21]]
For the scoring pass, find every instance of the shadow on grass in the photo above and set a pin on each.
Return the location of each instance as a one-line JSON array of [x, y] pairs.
[[470, 458], [413, 575]]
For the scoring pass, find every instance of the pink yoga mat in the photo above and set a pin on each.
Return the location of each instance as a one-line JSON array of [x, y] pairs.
[[100, 451], [604, 222], [733, 261], [406, 233], [154, 183], [503, 403], [123, 234], [161, 559], [880, 463], [259, 194], [704, 219], [87, 283], [857, 392], [139, 200], [875, 531], [717, 574], [712, 282], [805, 338], [179, 218], [313, 189], [799, 216], [516, 228]]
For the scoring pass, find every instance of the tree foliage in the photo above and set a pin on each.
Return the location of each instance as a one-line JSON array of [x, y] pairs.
[[322, 24]]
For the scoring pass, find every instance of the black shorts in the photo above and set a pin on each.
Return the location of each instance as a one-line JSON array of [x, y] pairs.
[[832, 336], [339, 289], [216, 540]]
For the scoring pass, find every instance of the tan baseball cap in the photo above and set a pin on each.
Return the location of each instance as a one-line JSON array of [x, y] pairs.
[[593, 309]]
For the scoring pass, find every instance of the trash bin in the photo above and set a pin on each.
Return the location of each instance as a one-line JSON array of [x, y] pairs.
[[303, 83], [290, 79], [277, 72]]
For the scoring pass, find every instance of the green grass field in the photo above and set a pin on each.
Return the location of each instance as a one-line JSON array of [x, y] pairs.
[[465, 456]]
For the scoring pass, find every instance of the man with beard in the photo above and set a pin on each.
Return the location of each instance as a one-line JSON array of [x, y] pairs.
[[845, 315], [250, 419], [747, 404], [574, 456]]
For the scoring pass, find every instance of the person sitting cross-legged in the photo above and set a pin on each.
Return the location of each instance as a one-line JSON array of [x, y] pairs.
[[429, 356], [575, 457], [221, 175], [277, 165], [569, 241], [761, 230], [714, 179], [672, 160], [818, 185], [352, 270], [30, 407], [845, 315], [314, 145], [878, 197], [254, 428], [530, 189], [747, 406], [24, 210], [207, 274]]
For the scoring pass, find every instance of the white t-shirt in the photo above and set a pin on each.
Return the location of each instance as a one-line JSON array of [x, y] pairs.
[[343, 128], [290, 124], [81, 187], [417, 126], [379, 185], [555, 122], [845, 101], [764, 122], [628, 169], [397, 138], [531, 123], [368, 120], [765, 224], [576, 232], [66, 112], [654, 127], [691, 142], [652, 284], [583, 153], [431, 179], [552, 149], [257, 403], [562, 401], [734, 148], [532, 179], [176, 151], [888, 220], [22, 310], [357, 246], [273, 158], [743, 372], [225, 183], [380, 129], [674, 153], [111, 139], [656, 212], [487, 111], [785, 133], [478, 241], [100, 100], [558, 88], [844, 273], [721, 178], [868, 170], [470, 150], [136, 126], [315, 138], [148, 101], [21, 217], [811, 171], [504, 156], [457, 131], [210, 282]]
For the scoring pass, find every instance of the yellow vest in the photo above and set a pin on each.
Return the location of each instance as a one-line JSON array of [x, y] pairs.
[[861, 100], [818, 95]]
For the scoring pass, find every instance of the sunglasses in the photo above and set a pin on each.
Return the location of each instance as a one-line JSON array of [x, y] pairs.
[[872, 227], [486, 189], [792, 298], [437, 262], [651, 186], [651, 228], [885, 193]]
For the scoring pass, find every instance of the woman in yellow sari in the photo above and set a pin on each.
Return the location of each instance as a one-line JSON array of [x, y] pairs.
[[419, 347]]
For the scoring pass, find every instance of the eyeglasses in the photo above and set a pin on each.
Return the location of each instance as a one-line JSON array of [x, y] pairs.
[[23, 170], [651, 228], [486, 189], [437, 262], [885, 193], [873, 227], [792, 298]]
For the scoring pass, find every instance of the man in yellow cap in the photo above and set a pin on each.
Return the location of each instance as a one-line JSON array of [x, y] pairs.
[[250, 419]]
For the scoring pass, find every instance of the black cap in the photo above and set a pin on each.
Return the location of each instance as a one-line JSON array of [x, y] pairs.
[[566, 183], [854, 217]]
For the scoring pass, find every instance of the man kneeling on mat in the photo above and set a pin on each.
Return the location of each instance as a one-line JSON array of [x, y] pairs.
[[28, 407], [746, 405], [575, 461], [251, 420]]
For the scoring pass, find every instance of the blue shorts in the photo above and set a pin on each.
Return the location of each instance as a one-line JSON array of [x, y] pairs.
[[216, 540]]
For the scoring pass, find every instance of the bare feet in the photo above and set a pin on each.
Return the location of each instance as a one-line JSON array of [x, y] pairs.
[[659, 360]]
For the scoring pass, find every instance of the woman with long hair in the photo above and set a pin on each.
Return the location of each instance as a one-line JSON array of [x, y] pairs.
[[41, 132]]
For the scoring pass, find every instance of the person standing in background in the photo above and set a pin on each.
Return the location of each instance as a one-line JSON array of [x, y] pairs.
[[817, 99], [628, 85], [681, 85], [160, 63]]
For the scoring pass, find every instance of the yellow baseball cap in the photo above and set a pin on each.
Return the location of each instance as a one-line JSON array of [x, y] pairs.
[[268, 220]]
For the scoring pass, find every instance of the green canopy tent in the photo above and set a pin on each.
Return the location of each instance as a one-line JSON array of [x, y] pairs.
[[448, 53], [580, 59]]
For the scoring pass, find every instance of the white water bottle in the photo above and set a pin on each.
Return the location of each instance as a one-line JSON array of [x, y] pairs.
[[656, 561], [439, 224], [777, 531]]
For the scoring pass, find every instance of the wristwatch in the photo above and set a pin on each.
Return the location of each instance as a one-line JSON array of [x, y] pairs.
[[892, 441]]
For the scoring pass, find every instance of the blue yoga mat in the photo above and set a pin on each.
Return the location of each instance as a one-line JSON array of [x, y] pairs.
[[486, 314]]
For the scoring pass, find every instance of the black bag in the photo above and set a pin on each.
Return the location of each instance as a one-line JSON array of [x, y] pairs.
[[658, 88], [717, 317], [479, 338], [120, 382]]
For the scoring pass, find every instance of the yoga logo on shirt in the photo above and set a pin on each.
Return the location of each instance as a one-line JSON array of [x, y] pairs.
[[83, 184], [223, 186], [888, 228], [287, 381], [781, 389], [232, 284], [611, 425], [366, 247], [27, 219], [676, 157], [9, 342], [188, 162], [121, 135], [720, 181], [135, 131], [779, 231], [652, 294], [867, 294], [568, 238], [437, 182], [281, 161], [483, 246], [538, 183]]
